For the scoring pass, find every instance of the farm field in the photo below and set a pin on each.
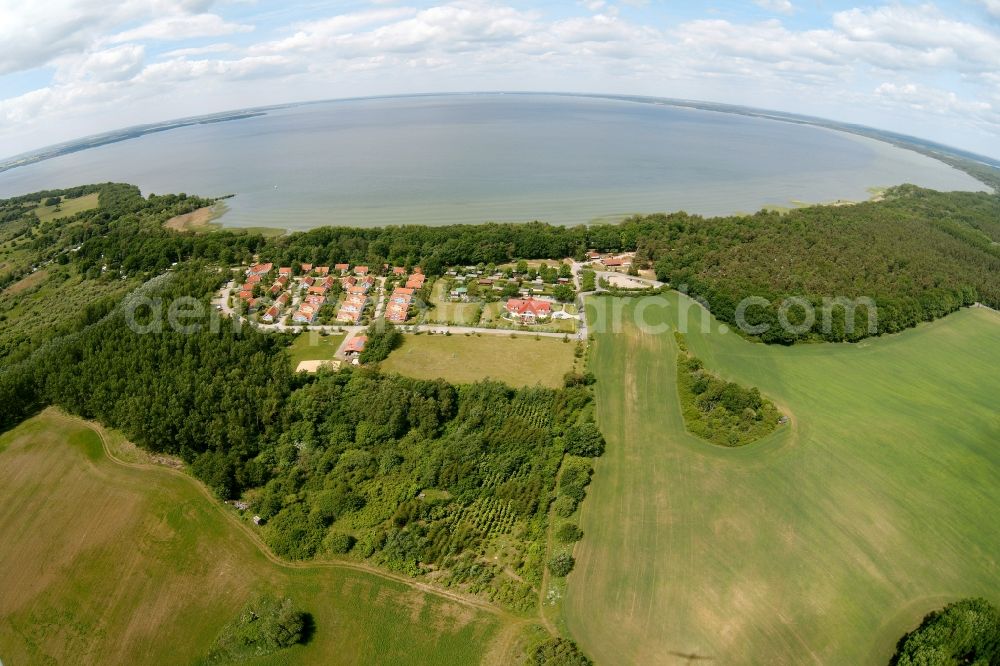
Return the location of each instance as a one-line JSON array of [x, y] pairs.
[[463, 359], [314, 347], [105, 562], [821, 544]]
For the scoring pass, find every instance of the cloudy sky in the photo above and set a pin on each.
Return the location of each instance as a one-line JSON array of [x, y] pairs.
[[69, 68]]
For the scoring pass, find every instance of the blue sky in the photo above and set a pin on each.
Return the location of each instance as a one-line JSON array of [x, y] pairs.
[[69, 68]]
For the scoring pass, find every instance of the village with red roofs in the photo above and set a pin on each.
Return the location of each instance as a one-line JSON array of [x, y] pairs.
[[536, 298]]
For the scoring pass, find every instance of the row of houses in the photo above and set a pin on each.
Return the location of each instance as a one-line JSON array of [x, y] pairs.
[[397, 310]]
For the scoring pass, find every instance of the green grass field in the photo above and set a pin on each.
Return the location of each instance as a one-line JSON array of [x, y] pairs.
[[463, 359], [66, 207], [822, 543], [310, 346], [108, 562]]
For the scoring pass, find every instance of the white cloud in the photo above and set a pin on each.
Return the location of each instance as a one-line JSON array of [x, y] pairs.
[[34, 32], [779, 6], [932, 100], [221, 47], [114, 64], [992, 7], [923, 30], [180, 27], [181, 70]]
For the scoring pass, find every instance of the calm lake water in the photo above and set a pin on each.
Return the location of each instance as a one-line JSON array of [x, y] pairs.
[[473, 158]]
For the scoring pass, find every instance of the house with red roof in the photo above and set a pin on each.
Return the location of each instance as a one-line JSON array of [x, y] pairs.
[[361, 270], [323, 271], [398, 270], [528, 310], [343, 268], [260, 269], [285, 271], [306, 314], [271, 314], [355, 345], [306, 268]]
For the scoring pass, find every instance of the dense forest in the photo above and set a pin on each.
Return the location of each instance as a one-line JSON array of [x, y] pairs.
[[919, 255]]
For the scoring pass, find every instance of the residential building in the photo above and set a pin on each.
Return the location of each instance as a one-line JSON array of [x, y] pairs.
[[528, 310], [355, 345]]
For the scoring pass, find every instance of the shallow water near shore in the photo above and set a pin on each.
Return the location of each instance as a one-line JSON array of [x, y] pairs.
[[492, 157]]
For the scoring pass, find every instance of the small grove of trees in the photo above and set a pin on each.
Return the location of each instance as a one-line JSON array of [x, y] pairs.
[[721, 412], [559, 652], [965, 632], [383, 337], [265, 625]]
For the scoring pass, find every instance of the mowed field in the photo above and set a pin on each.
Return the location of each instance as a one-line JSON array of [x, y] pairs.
[[111, 563], [310, 346], [821, 544], [462, 359]]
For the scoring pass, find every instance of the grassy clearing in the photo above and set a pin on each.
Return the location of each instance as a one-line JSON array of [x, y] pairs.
[[463, 359], [311, 346], [445, 312], [822, 543], [66, 207], [107, 563]]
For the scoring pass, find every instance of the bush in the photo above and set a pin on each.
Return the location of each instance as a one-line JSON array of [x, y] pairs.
[[559, 652], [569, 533], [564, 506], [338, 543], [561, 564]]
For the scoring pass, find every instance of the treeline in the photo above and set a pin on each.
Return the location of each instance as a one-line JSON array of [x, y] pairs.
[[718, 411]]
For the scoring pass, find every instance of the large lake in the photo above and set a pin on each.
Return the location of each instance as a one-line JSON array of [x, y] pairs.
[[473, 158]]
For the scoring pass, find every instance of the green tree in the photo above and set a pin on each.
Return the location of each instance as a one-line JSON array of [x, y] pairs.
[[561, 565], [585, 440], [568, 533]]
